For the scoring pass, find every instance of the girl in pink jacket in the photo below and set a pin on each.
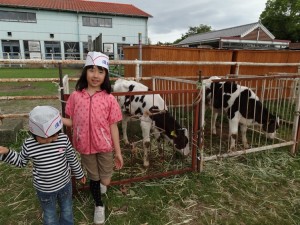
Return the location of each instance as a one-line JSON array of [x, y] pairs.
[[94, 114]]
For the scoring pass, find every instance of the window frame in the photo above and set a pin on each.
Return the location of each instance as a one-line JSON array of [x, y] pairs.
[[93, 21], [17, 16]]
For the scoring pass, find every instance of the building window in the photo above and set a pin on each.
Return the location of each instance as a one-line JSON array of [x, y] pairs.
[[32, 49], [52, 50], [72, 50], [108, 49], [11, 49], [96, 21], [86, 49], [123, 38], [9, 34], [23, 17]]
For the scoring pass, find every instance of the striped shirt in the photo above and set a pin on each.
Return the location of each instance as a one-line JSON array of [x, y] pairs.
[[52, 162]]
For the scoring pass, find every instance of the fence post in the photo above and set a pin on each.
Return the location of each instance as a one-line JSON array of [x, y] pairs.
[[296, 127], [140, 54], [237, 69], [61, 93], [137, 70], [200, 118]]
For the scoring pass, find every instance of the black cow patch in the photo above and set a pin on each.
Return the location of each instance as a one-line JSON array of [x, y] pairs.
[[142, 98], [138, 111], [244, 103], [131, 87]]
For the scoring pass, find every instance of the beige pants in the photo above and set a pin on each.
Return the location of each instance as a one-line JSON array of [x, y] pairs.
[[98, 166]]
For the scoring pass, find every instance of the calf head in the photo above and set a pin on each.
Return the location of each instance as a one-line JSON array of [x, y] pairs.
[[173, 131], [208, 89], [181, 141], [271, 126]]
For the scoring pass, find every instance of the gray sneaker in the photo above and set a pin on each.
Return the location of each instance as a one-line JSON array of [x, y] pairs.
[[103, 188], [99, 215]]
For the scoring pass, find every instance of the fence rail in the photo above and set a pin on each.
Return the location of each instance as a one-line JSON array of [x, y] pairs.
[[139, 63]]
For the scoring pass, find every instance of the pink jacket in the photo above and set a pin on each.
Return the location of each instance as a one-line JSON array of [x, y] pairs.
[[92, 117]]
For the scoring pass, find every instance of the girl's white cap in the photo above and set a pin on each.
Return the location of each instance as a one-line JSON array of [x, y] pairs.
[[97, 59], [44, 121]]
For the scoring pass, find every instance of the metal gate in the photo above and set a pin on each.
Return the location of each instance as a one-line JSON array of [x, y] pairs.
[[279, 94]]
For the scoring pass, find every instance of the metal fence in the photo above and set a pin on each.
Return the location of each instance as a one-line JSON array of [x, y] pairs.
[[279, 94]]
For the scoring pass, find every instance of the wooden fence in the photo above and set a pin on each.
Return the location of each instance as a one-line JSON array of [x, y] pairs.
[[236, 57]]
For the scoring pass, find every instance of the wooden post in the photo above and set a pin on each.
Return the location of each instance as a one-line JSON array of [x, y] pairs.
[[61, 88]]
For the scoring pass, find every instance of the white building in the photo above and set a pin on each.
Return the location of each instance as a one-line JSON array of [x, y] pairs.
[[67, 29]]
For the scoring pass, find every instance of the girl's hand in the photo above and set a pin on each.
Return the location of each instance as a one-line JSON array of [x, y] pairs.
[[3, 150], [119, 161], [83, 180], [67, 122]]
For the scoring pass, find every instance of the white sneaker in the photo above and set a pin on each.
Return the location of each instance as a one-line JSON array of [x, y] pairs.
[[103, 188], [99, 215]]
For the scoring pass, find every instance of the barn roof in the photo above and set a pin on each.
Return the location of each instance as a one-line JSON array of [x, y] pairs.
[[239, 31], [77, 6]]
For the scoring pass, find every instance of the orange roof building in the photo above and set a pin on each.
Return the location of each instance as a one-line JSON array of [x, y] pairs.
[[67, 29]]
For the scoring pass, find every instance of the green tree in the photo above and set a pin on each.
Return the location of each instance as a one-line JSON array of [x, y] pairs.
[[194, 30], [282, 18]]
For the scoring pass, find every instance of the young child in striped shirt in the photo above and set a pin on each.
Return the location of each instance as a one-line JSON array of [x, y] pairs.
[[53, 158]]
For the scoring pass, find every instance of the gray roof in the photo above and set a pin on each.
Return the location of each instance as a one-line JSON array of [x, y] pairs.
[[238, 31]]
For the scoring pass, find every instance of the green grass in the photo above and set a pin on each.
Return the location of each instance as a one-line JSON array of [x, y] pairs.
[[32, 88], [36, 72], [261, 188]]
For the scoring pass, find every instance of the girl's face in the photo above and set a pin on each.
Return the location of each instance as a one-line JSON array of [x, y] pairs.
[[95, 76]]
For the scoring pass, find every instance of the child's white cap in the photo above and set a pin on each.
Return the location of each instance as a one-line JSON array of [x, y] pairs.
[[97, 59], [44, 121]]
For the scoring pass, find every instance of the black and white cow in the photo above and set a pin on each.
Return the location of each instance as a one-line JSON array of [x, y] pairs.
[[153, 114], [242, 106]]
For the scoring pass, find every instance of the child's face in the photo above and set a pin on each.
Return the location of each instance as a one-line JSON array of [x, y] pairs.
[[95, 76], [47, 140]]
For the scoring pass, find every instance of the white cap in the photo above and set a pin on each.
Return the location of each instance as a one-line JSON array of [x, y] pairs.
[[97, 59], [44, 121]]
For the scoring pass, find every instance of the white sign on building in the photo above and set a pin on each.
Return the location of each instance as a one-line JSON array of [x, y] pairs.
[[34, 46]]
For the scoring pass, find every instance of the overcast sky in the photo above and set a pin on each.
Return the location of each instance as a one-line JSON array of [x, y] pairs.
[[171, 18]]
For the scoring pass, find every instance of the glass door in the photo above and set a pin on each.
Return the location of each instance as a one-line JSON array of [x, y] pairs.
[[11, 50], [52, 50]]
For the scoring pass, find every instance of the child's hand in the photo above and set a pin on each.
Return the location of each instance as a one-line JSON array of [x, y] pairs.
[[3, 150], [67, 122], [119, 161], [83, 180]]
